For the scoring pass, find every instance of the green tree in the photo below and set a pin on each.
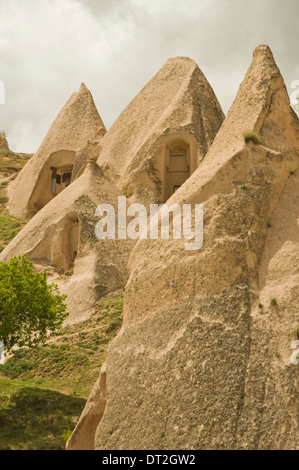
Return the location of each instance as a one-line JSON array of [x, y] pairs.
[[30, 308]]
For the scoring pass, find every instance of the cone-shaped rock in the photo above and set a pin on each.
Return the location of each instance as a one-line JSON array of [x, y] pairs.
[[175, 115], [178, 109], [203, 357], [49, 171]]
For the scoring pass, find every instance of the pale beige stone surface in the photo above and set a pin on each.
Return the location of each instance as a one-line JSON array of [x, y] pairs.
[[202, 359], [177, 105], [83, 436], [67, 224], [77, 124], [195, 365]]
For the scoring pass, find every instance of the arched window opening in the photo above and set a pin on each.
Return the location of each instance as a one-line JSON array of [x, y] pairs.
[[55, 176], [177, 167], [60, 178]]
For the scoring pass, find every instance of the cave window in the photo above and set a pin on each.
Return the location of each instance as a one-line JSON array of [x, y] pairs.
[[60, 176], [177, 167], [53, 179], [66, 178]]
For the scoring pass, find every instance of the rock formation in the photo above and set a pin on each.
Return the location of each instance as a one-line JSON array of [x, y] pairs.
[[62, 236], [49, 171], [3, 143], [202, 359], [177, 112]]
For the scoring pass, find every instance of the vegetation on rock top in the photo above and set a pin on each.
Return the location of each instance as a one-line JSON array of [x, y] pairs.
[[252, 136]]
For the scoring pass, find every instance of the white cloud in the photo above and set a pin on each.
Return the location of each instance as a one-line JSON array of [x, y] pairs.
[[47, 50], [48, 47]]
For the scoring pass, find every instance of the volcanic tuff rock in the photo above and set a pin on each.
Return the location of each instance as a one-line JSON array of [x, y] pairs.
[[177, 104], [83, 437], [177, 107], [77, 124], [202, 360], [62, 235]]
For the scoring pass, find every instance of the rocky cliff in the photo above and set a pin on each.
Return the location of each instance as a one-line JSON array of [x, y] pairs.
[[203, 358]]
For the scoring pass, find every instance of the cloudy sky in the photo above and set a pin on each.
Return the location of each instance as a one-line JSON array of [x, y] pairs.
[[48, 47]]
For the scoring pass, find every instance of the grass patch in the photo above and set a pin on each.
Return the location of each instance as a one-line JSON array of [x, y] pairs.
[[43, 390], [252, 136], [34, 418], [57, 373], [10, 164], [70, 360], [9, 226]]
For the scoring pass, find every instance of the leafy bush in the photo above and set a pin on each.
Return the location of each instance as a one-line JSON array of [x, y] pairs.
[[14, 367], [66, 434], [29, 307], [20, 353]]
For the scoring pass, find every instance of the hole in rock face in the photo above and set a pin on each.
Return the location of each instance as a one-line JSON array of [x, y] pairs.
[[54, 177], [60, 178], [69, 242], [177, 167], [60, 244]]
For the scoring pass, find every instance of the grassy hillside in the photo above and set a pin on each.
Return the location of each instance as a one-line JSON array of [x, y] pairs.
[[32, 417], [10, 164], [43, 390]]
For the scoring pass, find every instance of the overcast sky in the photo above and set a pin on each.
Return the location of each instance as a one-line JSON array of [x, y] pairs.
[[49, 47]]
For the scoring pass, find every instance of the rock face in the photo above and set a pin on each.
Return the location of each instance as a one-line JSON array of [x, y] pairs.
[[177, 112], [49, 171], [61, 239], [3, 143], [83, 437], [202, 360], [178, 109]]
